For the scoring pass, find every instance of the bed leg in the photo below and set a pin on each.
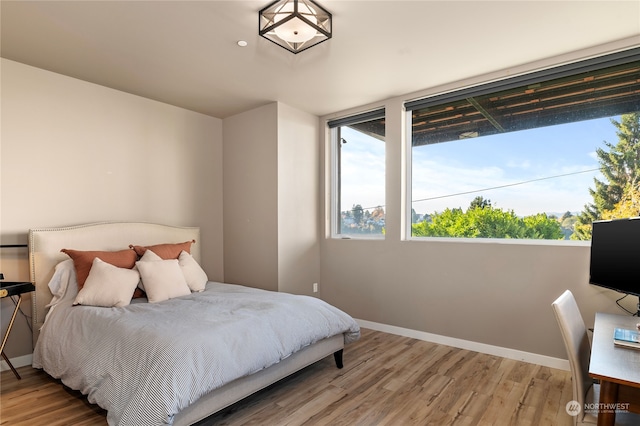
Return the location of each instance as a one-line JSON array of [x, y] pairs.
[[338, 357]]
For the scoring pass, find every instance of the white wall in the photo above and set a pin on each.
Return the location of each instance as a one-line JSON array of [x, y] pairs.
[[251, 198], [272, 198], [493, 293], [75, 152], [298, 200]]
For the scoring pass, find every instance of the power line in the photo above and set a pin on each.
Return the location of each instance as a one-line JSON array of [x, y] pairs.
[[493, 187], [505, 186]]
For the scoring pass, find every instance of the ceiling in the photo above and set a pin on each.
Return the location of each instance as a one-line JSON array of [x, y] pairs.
[[185, 53]]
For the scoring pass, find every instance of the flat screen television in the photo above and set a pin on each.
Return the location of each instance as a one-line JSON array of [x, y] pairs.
[[615, 255]]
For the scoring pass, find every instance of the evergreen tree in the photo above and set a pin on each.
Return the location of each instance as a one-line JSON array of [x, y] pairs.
[[414, 216], [629, 205], [358, 213], [620, 165], [480, 202]]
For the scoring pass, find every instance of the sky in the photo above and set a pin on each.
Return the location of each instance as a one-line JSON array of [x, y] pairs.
[[477, 164]]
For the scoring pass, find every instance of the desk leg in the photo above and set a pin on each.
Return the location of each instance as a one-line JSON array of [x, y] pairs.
[[11, 366], [608, 397], [6, 336]]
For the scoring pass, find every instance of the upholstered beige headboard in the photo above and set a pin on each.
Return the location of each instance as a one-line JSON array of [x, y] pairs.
[[45, 245]]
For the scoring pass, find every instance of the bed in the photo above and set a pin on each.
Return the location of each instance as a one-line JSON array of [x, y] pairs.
[[144, 362]]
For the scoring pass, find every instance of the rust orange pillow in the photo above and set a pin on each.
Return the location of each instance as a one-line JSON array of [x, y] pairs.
[[165, 251], [82, 261], [138, 293]]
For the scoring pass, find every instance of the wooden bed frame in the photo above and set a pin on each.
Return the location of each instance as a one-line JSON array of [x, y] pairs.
[[44, 254]]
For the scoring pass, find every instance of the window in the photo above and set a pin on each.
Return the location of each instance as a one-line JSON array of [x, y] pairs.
[[527, 157], [358, 177]]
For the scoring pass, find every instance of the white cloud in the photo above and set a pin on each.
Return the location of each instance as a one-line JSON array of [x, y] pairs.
[[522, 164], [434, 179]]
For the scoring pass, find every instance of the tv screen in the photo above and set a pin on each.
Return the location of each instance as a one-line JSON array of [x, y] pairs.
[[615, 255]]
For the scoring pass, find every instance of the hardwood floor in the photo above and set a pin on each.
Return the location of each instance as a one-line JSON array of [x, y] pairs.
[[386, 380]]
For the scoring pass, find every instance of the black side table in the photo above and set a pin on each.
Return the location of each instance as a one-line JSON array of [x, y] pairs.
[[11, 288]]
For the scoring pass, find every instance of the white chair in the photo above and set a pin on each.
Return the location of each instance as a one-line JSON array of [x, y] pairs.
[[576, 341]]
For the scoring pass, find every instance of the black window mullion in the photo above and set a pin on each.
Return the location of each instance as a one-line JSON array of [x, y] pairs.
[[356, 119]]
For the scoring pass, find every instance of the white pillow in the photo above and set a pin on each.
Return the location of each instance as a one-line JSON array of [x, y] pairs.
[[63, 281], [162, 279], [194, 275], [107, 285], [148, 256]]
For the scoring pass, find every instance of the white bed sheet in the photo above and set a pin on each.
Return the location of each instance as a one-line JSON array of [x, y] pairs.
[[145, 362]]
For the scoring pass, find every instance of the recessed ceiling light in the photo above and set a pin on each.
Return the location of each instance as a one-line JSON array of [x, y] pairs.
[[242, 43]]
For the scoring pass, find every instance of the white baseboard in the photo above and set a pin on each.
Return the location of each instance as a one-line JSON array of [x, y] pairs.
[[19, 361], [547, 361]]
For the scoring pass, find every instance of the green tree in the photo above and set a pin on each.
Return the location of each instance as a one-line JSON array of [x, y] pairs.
[[620, 166], [479, 201], [582, 226], [358, 213], [414, 216], [541, 227], [487, 222], [378, 213], [568, 225], [628, 206]]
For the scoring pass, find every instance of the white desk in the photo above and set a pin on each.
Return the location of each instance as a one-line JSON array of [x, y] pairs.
[[617, 368]]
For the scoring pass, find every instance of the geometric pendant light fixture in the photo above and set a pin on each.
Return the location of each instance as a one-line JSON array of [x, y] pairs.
[[295, 25]]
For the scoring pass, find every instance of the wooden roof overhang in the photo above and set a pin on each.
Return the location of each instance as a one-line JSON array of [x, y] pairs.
[[589, 95]]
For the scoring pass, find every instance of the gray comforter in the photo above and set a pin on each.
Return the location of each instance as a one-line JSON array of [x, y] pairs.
[[145, 362]]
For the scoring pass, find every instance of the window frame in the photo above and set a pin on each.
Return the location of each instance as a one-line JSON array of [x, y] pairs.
[[456, 94], [334, 126]]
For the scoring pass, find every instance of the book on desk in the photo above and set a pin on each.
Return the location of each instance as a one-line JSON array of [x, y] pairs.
[[627, 338]]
